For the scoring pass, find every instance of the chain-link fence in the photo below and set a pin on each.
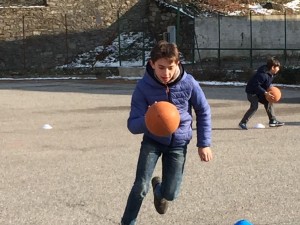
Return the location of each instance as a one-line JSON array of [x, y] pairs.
[[39, 42], [260, 37], [47, 42]]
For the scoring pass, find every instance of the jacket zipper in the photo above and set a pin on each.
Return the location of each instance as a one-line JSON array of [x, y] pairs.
[[168, 93], [169, 100]]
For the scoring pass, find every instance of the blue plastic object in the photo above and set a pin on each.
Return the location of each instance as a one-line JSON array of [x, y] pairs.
[[243, 222]]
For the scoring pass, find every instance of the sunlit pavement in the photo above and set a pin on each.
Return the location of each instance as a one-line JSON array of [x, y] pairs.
[[80, 171]]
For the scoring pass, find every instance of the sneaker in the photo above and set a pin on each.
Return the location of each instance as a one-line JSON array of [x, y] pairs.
[[161, 205], [243, 126], [275, 123]]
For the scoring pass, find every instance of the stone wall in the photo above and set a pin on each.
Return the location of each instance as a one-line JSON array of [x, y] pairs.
[[50, 35], [8, 3], [53, 34]]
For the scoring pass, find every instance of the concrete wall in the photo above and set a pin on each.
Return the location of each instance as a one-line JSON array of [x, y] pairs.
[[269, 32]]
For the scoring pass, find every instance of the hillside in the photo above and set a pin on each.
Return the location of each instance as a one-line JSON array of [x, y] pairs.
[[239, 7]]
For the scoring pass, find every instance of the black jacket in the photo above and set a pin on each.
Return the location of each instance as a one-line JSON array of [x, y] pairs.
[[260, 82]]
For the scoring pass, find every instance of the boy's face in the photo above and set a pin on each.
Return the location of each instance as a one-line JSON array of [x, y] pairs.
[[164, 69], [275, 69]]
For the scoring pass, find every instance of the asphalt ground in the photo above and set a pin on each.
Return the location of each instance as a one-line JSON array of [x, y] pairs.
[[81, 170]]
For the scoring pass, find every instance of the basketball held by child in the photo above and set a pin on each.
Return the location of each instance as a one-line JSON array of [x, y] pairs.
[[274, 91], [162, 119]]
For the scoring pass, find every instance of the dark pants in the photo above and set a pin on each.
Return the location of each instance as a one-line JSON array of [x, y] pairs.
[[254, 100]]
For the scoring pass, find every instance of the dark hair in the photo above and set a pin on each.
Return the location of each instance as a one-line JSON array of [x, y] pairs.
[[272, 61], [164, 49]]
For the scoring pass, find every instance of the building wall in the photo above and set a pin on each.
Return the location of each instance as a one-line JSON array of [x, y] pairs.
[[274, 32]]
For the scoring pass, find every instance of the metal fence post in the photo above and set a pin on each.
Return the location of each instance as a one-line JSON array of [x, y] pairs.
[[194, 41], [219, 47], [285, 53], [66, 40], [143, 52], [251, 44], [119, 37], [24, 42], [178, 25]]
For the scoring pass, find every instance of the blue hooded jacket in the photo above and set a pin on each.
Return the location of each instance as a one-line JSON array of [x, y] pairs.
[[185, 93], [260, 82]]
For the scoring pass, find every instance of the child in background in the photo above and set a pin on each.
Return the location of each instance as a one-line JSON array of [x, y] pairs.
[[256, 90]]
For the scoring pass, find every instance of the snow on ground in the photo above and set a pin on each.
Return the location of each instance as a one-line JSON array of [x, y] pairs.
[[258, 8], [294, 5], [134, 46]]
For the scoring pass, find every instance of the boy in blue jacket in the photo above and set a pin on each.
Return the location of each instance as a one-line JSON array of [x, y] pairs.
[[256, 90], [165, 80]]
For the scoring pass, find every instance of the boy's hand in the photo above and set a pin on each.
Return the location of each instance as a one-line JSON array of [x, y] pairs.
[[268, 95], [205, 154]]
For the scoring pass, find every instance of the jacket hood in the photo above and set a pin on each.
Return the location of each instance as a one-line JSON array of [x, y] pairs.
[[150, 72], [264, 69]]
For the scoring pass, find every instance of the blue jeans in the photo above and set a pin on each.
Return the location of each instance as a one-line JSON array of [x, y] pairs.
[[173, 160]]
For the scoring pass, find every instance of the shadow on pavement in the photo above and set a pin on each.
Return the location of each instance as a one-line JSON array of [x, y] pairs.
[[292, 123], [126, 87]]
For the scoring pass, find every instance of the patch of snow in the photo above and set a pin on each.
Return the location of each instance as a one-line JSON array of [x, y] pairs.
[[134, 47], [295, 5], [257, 8], [235, 13]]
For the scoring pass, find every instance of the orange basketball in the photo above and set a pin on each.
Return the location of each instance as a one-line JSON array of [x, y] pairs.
[[162, 118], [275, 92]]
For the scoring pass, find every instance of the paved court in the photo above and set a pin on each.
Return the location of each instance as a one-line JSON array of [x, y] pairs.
[[80, 172]]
